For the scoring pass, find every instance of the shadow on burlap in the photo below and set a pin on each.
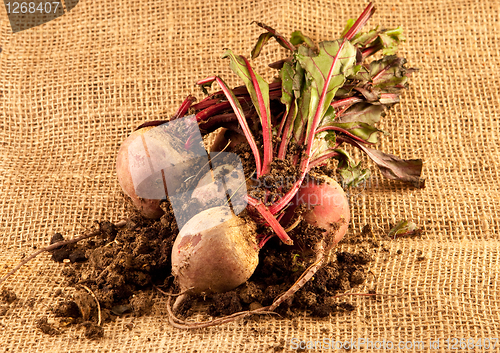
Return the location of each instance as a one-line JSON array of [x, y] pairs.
[[71, 90]]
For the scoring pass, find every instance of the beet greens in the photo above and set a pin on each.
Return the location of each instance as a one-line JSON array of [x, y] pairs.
[[330, 94]]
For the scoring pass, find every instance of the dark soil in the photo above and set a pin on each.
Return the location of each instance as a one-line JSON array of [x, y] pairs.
[[120, 269], [46, 327], [123, 265], [7, 296]]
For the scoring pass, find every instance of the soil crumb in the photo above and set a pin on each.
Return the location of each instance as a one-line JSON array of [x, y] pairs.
[[47, 328], [8, 296], [92, 331]]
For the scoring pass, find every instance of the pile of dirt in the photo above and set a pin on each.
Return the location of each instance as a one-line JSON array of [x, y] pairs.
[[118, 272]]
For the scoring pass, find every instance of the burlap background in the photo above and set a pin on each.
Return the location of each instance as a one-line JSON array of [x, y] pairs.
[[71, 90]]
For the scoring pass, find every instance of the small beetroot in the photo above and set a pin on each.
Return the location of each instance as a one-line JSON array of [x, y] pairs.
[[153, 159], [326, 207], [126, 161], [214, 252]]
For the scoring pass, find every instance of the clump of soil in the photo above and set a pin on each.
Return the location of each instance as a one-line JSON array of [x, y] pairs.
[[93, 331], [8, 296], [47, 328]]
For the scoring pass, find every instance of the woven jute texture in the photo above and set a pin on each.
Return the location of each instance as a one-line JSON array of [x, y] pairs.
[[72, 89]]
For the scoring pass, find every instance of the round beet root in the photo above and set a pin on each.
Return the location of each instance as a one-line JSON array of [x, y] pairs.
[[126, 160], [327, 207], [214, 252], [152, 160]]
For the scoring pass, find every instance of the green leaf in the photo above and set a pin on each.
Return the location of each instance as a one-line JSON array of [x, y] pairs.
[[349, 24], [375, 40], [305, 102], [390, 40], [362, 112], [325, 73], [389, 73], [351, 172], [239, 67], [319, 66], [323, 143], [298, 38], [287, 76], [404, 228], [362, 75], [395, 33], [393, 167], [263, 39], [298, 80], [362, 130], [364, 38], [360, 122]]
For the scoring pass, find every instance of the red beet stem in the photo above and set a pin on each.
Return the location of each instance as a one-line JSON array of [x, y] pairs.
[[265, 121], [360, 22]]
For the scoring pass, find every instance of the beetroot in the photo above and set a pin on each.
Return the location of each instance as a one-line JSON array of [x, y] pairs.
[[153, 159], [214, 252], [326, 207], [125, 161]]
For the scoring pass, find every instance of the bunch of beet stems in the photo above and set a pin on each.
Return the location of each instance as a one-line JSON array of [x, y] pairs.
[[344, 110]]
